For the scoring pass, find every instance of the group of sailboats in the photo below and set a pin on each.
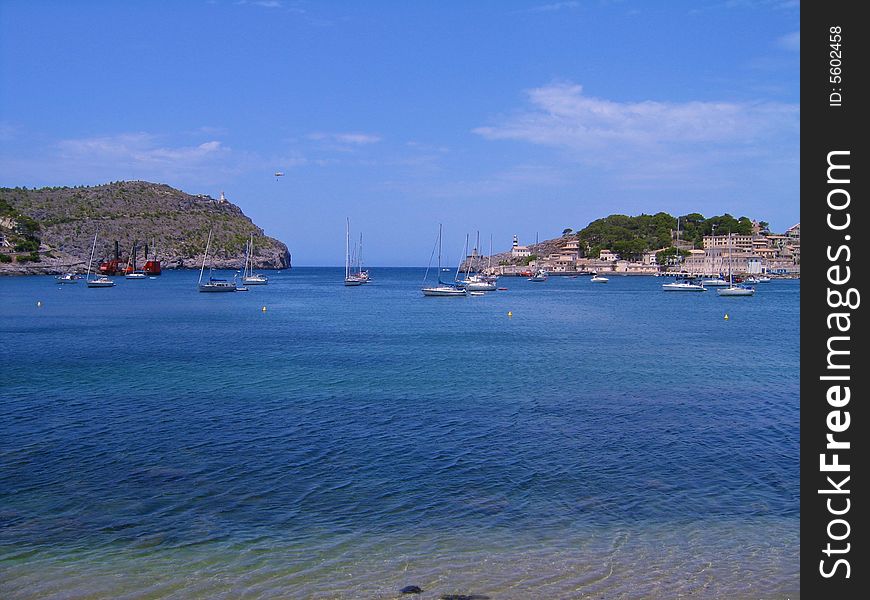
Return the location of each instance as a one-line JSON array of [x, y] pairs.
[[215, 284], [687, 283], [476, 282], [354, 274], [248, 275], [472, 284], [442, 288]]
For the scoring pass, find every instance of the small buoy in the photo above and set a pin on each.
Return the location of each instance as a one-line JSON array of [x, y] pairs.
[[263, 309], [510, 314], [726, 316], [39, 304]]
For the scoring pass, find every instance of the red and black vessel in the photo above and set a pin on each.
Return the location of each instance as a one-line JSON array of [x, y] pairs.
[[112, 266], [151, 267]]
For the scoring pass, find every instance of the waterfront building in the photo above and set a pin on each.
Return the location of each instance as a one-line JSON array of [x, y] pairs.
[[518, 251]]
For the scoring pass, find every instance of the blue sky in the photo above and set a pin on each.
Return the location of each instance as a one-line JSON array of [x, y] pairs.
[[508, 117]]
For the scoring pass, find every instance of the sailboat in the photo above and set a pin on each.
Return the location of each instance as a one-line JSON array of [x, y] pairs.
[[249, 277], [360, 272], [212, 284], [130, 272], [102, 281], [480, 282], [350, 279], [539, 276], [442, 289], [734, 290]]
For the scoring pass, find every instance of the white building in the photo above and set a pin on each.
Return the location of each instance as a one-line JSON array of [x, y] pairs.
[[518, 251]]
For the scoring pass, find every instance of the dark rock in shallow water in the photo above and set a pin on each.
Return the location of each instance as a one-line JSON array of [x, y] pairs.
[[411, 589]]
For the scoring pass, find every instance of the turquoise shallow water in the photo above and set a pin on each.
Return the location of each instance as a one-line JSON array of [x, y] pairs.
[[605, 441]]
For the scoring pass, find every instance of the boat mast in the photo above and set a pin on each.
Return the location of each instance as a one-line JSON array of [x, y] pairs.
[[204, 256], [730, 263], [464, 254], [347, 248], [93, 248]]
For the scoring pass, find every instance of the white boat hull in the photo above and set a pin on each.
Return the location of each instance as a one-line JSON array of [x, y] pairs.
[[734, 291], [98, 283], [258, 280], [217, 287], [714, 283], [599, 280], [351, 282], [443, 291], [683, 287], [480, 286]]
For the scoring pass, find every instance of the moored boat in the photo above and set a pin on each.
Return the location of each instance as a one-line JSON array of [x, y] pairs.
[[714, 282], [684, 284], [441, 289], [102, 281], [213, 284], [735, 290], [248, 276], [67, 278]]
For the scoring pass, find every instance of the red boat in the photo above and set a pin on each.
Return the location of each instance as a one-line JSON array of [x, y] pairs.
[[112, 266], [152, 267]]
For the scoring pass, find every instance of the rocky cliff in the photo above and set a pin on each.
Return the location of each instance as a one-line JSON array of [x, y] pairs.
[[50, 230]]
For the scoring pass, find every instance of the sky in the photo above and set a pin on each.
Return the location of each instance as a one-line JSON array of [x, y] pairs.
[[499, 117]]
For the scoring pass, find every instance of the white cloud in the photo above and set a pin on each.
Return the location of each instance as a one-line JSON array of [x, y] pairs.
[[595, 129], [355, 139], [139, 149], [263, 3], [652, 143], [791, 41], [554, 6]]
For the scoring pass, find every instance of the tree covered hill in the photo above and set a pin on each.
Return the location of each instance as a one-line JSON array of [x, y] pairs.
[[48, 229], [632, 236]]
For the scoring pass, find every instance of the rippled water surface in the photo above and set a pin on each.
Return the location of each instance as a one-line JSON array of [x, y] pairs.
[[604, 441]]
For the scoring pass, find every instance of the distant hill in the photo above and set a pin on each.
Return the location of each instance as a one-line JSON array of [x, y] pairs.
[[50, 230], [631, 236]]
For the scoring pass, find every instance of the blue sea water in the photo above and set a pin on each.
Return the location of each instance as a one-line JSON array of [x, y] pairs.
[[310, 440]]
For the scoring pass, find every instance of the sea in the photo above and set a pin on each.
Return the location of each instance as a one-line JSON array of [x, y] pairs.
[[304, 439]]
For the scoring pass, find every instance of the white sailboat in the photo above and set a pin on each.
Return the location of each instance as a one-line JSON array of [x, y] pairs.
[[67, 278], [442, 289], [102, 281], [481, 282], [212, 284], [130, 272], [683, 284], [350, 279], [734, 290], [714, 282], [599, 279], [248, 276], [360, 271]]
